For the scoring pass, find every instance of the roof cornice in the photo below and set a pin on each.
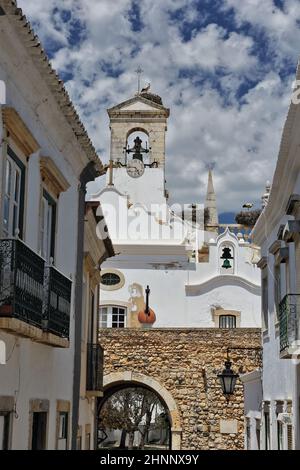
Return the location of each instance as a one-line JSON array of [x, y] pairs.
[[116, 110]]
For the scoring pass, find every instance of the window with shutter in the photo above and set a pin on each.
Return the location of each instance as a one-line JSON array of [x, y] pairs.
[[277, 289], [258, 424], [290, 437], [264, 300], [227, 321], [48, 226], [63, 431], [14, 187], [248, 434], [267, 430]]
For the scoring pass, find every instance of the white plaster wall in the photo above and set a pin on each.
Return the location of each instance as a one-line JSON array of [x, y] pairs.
[[191, 292], [174, 307], [147, 189]]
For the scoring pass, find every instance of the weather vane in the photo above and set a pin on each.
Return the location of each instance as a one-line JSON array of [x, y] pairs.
[[139, 72]]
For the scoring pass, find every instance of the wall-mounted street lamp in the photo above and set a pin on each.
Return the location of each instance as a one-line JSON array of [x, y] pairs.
[[228, 379]]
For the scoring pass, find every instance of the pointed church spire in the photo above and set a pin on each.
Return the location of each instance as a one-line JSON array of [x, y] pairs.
[[211, 212]]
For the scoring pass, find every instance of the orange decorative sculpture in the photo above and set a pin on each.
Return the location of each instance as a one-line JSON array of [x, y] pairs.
[[147, 316]]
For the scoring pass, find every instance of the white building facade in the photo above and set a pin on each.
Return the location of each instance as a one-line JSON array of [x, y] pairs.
[[277, 232]]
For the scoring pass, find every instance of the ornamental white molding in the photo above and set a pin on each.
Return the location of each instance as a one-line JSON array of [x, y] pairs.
[[221, 281], [227, 235]]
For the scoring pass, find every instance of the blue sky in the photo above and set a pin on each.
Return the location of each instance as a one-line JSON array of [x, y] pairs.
[[225, 68]]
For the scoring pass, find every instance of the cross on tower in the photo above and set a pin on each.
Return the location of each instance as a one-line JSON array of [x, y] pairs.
[[139, 72], [210, 165]]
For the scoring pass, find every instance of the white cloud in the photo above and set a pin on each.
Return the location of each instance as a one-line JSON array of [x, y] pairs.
[[208, 122]]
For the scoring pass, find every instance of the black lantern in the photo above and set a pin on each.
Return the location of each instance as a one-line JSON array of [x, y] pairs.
[[228, 379]]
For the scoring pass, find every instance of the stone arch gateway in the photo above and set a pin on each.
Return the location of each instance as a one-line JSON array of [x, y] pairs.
[[129, 378]]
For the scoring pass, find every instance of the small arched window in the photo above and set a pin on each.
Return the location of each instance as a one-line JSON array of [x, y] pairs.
[[227, 321]]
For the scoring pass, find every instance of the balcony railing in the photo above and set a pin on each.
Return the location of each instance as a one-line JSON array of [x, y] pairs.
[[94, 371], [56, 310], [32, 292], [21, 282], [289, 314]]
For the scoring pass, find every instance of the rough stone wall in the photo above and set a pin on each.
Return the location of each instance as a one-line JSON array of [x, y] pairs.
[[186, 363]]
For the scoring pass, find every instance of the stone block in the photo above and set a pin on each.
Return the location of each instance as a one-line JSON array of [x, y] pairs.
[[228, 426]]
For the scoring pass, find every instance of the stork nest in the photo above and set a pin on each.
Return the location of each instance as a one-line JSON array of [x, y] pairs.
[[151, 97], [247, 218]]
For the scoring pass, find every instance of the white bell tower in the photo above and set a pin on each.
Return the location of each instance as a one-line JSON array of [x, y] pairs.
[[138, 130]]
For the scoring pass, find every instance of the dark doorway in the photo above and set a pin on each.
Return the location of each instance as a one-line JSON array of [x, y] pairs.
[[39, 430], [4, 430]]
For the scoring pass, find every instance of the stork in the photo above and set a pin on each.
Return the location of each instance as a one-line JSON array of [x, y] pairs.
[[247, 205], [146, 89]]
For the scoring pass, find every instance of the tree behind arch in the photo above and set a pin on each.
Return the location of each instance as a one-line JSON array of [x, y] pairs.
[[132, 409]]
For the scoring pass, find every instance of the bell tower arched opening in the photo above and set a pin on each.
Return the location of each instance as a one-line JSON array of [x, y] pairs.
[[135, 137]]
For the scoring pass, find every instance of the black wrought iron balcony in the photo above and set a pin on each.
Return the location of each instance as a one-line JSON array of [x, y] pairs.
[[289, 315], [57, 303], [33, 295], [94, 370], [21, 282]]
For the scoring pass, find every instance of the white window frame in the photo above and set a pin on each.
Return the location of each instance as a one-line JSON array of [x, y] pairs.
[[47, 219], [63, 430], [277, 288], [108, 312], [14, 200], [265, 298]]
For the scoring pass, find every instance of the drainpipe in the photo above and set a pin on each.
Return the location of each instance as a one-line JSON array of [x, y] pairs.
[[95, 340], [88, 174]]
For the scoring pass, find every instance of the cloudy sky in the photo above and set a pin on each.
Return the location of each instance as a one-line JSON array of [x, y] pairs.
[[225, 68]]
